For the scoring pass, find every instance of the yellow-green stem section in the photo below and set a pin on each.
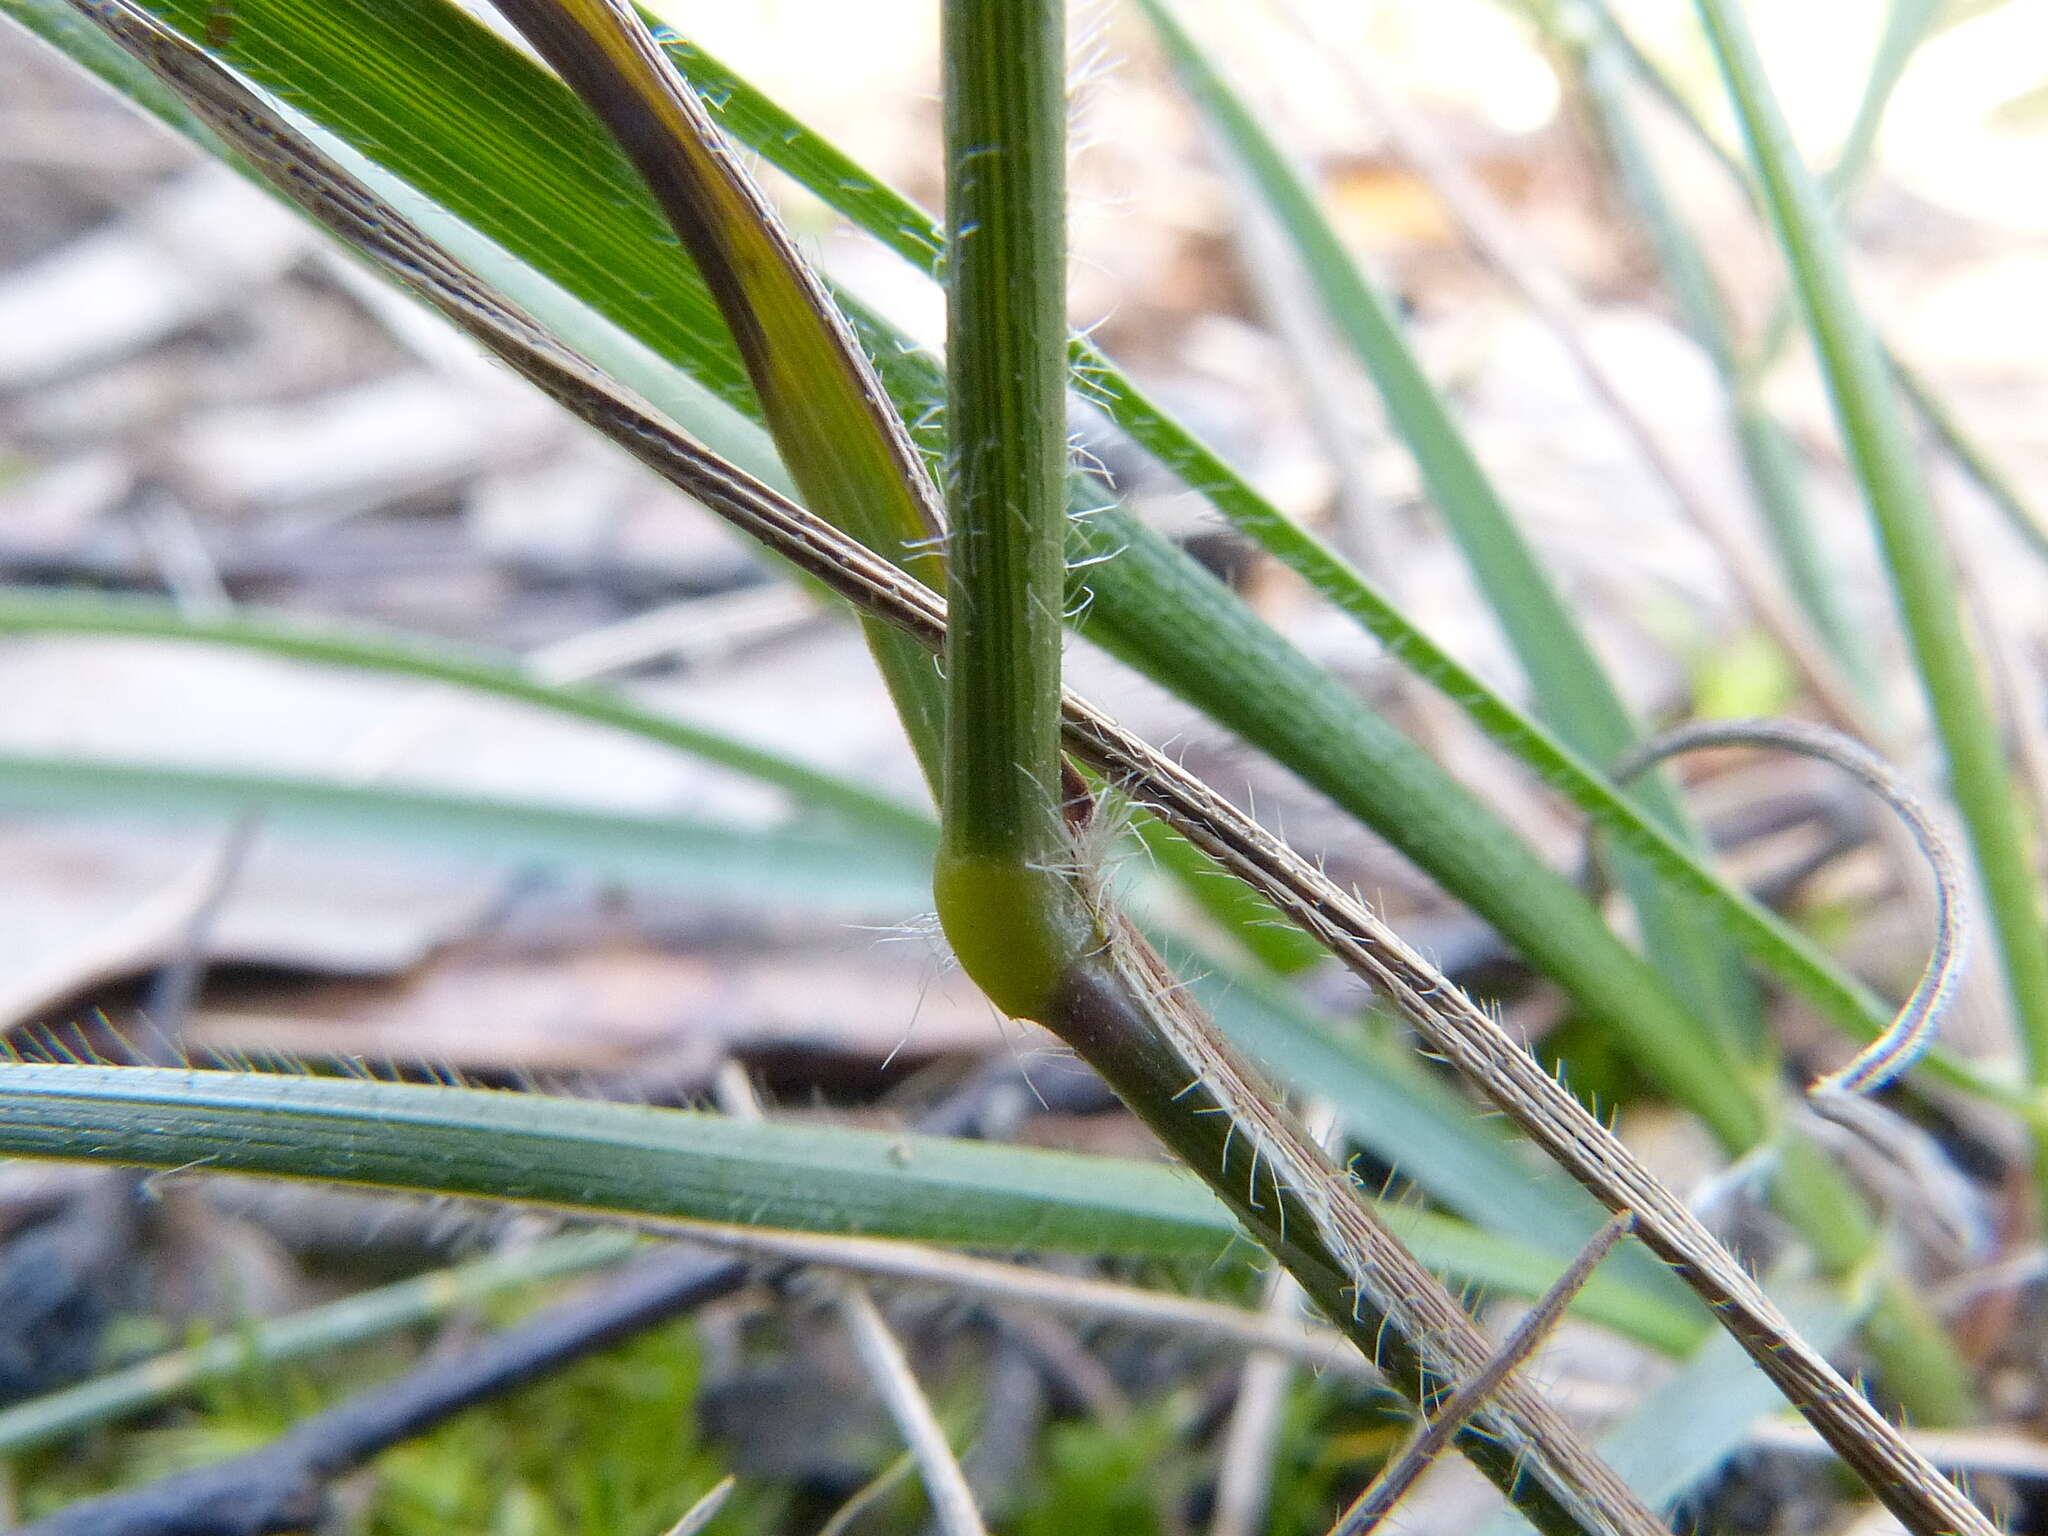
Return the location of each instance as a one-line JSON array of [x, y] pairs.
[[1003, 881], [1013, 928]]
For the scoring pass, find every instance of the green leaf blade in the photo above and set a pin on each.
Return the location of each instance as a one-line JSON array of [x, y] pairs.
[[628, 1161], [790, 866]]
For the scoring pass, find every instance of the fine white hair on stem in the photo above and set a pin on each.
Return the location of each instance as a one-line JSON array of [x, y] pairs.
[[1917, 1022], [1091, 60], [1244, 1472], [1373, 1506]]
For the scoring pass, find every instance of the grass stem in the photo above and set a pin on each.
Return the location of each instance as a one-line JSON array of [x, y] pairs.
[[1004, 877]]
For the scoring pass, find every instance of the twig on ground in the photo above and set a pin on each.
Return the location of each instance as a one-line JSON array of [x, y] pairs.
[[953, 1505], [952, 1501], [1244, 1468], [1316, 1347], [283, 1486]]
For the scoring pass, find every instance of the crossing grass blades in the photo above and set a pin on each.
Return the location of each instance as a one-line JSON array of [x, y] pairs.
[[939, 506]]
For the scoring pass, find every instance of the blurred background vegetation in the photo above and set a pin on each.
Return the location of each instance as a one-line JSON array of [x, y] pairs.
[[204, 403]]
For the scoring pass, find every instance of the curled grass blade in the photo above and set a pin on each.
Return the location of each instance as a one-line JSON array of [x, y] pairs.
[[899, 224], [1910, 1034]]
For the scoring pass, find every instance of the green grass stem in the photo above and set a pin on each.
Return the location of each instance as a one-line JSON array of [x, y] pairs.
[[1004, 884]]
